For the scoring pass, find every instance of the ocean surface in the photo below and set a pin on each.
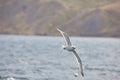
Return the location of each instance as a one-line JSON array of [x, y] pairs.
[[42, 58]]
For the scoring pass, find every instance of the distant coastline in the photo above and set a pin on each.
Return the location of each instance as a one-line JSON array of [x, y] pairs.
[[96, 18]]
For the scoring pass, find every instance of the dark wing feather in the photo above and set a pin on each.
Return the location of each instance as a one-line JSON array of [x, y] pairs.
[[79, 62]]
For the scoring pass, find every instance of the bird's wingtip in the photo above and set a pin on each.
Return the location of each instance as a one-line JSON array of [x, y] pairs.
[[82, 74], [57, 28]]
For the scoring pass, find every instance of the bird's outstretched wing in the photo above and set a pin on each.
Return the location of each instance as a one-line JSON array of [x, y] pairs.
[[79, 62], [66, 37]]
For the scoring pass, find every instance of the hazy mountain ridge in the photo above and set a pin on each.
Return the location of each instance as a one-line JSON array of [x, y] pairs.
[[79, 18]]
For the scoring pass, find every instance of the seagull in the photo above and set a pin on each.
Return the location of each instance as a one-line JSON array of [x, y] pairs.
[[71, 48], [10, 78], [76, 74]]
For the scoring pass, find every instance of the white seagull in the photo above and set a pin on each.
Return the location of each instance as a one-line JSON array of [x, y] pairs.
[[10, 78], [70, 47]]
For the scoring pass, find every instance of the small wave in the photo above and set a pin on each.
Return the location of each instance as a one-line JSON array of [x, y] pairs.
[[103, 69]]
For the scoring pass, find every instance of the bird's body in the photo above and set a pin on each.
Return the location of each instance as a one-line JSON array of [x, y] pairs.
[[68, 48], [71, 48]]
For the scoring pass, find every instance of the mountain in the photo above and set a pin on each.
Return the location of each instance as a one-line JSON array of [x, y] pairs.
[[77, 17], [102, 21]]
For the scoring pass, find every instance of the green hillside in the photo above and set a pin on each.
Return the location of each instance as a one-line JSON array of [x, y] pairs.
[[78, 17]]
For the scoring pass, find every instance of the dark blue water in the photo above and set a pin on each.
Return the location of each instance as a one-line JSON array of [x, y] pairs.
[[42, 58]]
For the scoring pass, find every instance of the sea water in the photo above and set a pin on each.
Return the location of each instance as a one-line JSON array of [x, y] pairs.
[[42, 58]]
